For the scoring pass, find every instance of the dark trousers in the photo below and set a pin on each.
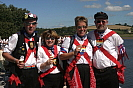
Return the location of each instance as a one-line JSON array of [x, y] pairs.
[[84, 71], [29, 79], [106, 78], [53, 81]]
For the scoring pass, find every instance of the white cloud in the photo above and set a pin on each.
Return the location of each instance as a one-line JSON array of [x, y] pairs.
[[130, 14], [58, 26], [90, 17], [111, 7], [93, 6], [107, 3], [117, 8], [88, 0]]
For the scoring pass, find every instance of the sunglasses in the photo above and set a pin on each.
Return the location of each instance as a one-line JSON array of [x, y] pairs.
[[79, 27], [27, 23], [47, 38], [100, 21]]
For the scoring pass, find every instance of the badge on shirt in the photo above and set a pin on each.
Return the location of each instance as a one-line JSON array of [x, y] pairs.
[[99, 42], [83, 49], [56, 62], [21, 50], [31, 44]]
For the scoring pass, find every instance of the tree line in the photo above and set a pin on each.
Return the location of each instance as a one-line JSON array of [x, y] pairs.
[[10, 22]]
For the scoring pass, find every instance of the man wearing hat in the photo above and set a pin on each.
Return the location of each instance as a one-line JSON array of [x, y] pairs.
[[21, 54], [107, 46]]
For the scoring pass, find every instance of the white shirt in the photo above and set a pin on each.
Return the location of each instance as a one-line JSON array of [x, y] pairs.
[[12, 45], [100, 61], [66, 45], [42, 57]]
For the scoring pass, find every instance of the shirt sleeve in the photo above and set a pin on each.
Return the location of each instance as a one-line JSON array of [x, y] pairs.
[[118, 40], [39, 57], [11, 44], [65, 45], [121, 50]]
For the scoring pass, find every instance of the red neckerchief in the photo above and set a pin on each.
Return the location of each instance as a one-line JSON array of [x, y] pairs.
[[120, 67], [51, 69], [29, 50], [76, 82]]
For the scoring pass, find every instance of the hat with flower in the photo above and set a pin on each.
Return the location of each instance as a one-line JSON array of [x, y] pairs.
[[29, 16]]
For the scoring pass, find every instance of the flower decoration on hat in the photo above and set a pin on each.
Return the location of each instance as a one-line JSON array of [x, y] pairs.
[[29, 16], [26, 16]]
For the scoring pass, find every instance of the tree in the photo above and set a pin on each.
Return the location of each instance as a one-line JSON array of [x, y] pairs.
[[125, 24], [10, 19]]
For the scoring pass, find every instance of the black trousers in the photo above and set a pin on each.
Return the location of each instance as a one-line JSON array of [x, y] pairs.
[[29, 79], [106, 78], [84, 71], [53, 81]]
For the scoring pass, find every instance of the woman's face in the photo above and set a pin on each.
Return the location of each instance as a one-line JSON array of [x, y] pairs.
[[50, 41], [81, 28]]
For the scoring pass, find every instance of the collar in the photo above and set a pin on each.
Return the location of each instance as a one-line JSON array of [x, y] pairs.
[[29, 36], [81, 38], [106, 30], [101, 34], [49, 48]]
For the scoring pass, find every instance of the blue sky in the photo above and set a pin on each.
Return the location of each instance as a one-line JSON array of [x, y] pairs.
[[60, 13]]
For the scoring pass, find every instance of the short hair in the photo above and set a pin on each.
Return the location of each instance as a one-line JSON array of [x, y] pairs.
[[50, 33], [79, 19]]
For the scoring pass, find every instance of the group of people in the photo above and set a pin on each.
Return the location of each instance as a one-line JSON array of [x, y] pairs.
[[84, 60]]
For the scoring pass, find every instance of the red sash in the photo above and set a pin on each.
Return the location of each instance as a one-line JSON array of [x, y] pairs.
[[120, 67], [75, 82], [104, 38], [51, 69]]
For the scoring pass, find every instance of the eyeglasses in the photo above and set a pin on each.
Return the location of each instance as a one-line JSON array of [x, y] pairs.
[[100, 21], [27, 23], [79, 27], [47, 38]]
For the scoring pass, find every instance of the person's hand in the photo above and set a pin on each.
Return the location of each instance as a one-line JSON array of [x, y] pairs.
[[20, 64], [78, 48], [50, 60]]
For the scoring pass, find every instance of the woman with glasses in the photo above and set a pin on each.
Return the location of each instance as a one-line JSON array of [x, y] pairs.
[[78, 54], [48, 62]]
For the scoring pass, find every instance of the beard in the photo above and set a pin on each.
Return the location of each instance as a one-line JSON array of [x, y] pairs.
[[101, 27]]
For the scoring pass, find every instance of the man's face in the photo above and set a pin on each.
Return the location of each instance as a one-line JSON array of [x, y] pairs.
[[30, 26], [101, 24], [81, 28]]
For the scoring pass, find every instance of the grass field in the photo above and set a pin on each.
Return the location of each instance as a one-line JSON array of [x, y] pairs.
[[126, 36], [121, 30], [113, 27]]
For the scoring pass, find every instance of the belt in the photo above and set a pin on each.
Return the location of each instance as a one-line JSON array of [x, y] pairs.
[[28, 67], [105, 69]]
